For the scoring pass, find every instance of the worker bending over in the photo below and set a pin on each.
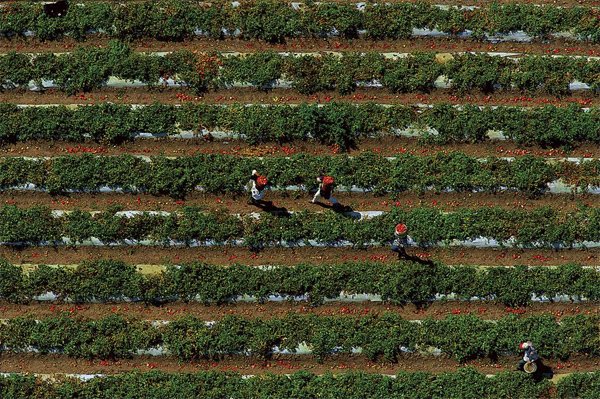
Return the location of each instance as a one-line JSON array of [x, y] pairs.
[[400, 241], [325, 190], [258, 185], [529, 356]]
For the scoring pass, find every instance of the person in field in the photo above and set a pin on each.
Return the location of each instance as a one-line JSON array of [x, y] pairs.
[[401, 241], [530, 356], [325, 191], [258, 185]]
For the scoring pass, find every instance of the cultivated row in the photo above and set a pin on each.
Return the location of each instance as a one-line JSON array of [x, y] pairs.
[[89, 68], [396, 283], [366, 172], [337, 123], [275, 21], [484, 227], [386, 336]]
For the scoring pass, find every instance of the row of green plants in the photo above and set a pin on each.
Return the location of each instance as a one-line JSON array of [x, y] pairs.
[[215, 173], [398, 283], [427, 226], [89, 68], [343, 124], [276, 21], [464, 383], [380, 337]]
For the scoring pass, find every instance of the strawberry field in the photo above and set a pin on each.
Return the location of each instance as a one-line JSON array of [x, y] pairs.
[[141, 257]]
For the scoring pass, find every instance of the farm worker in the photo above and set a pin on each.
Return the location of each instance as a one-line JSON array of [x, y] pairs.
[[530, 355], [401, 240], [325, 190], [258, 185]]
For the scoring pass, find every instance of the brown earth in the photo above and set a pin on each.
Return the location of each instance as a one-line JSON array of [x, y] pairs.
[[299, 201], [589, 3], [442, 45], [282, 364], [385, 145], [437, 310], [289, 256], [287, 96]]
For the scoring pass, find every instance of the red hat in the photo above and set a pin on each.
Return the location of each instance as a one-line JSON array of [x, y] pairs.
[[262, 180], [401, 228], [328, 180], [523, 345]]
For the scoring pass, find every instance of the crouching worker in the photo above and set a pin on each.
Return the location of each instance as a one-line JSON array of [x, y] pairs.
[[401, 241], [325, 190], [531, 359], [258, 185]]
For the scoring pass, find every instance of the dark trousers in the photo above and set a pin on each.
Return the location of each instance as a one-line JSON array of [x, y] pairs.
[[400, 250]]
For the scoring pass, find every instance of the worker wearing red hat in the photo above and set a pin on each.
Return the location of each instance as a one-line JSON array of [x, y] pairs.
[[401, 240], [258, 185], [530, 360], [325, 190]]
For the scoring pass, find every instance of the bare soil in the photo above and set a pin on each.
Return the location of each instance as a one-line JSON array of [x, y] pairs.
[[385, 145], [282, 364], [443, 45], [287, 96], [289, 256], [437, 310], [299, 201], [590, 3]]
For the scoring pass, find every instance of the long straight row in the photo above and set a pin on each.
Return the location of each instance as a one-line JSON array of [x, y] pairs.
[[397, 283], [275, 21], [183, 175], [89, 68], [462, 384], [384, 336], [343, 124], [192, 226]]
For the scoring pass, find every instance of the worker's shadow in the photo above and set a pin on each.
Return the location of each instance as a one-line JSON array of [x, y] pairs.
[[416, 259], [269, 207], [346, 210], [543, 372]]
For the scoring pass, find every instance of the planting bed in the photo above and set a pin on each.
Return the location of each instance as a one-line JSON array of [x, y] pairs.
[[127, 243], [313, 284]]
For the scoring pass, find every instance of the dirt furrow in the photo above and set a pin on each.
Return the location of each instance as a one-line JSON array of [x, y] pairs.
[[292, 256], [437, 310], [285, 96], [416, 44], [282, 364], [564, 3], [298, 201], [385, 145]]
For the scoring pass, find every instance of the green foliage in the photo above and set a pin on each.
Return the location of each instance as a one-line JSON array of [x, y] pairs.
[[343, 124], [465, 383], [543, 227], [380, 337], [178, 177], [274, 21], [397, 283], [88, 68]]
